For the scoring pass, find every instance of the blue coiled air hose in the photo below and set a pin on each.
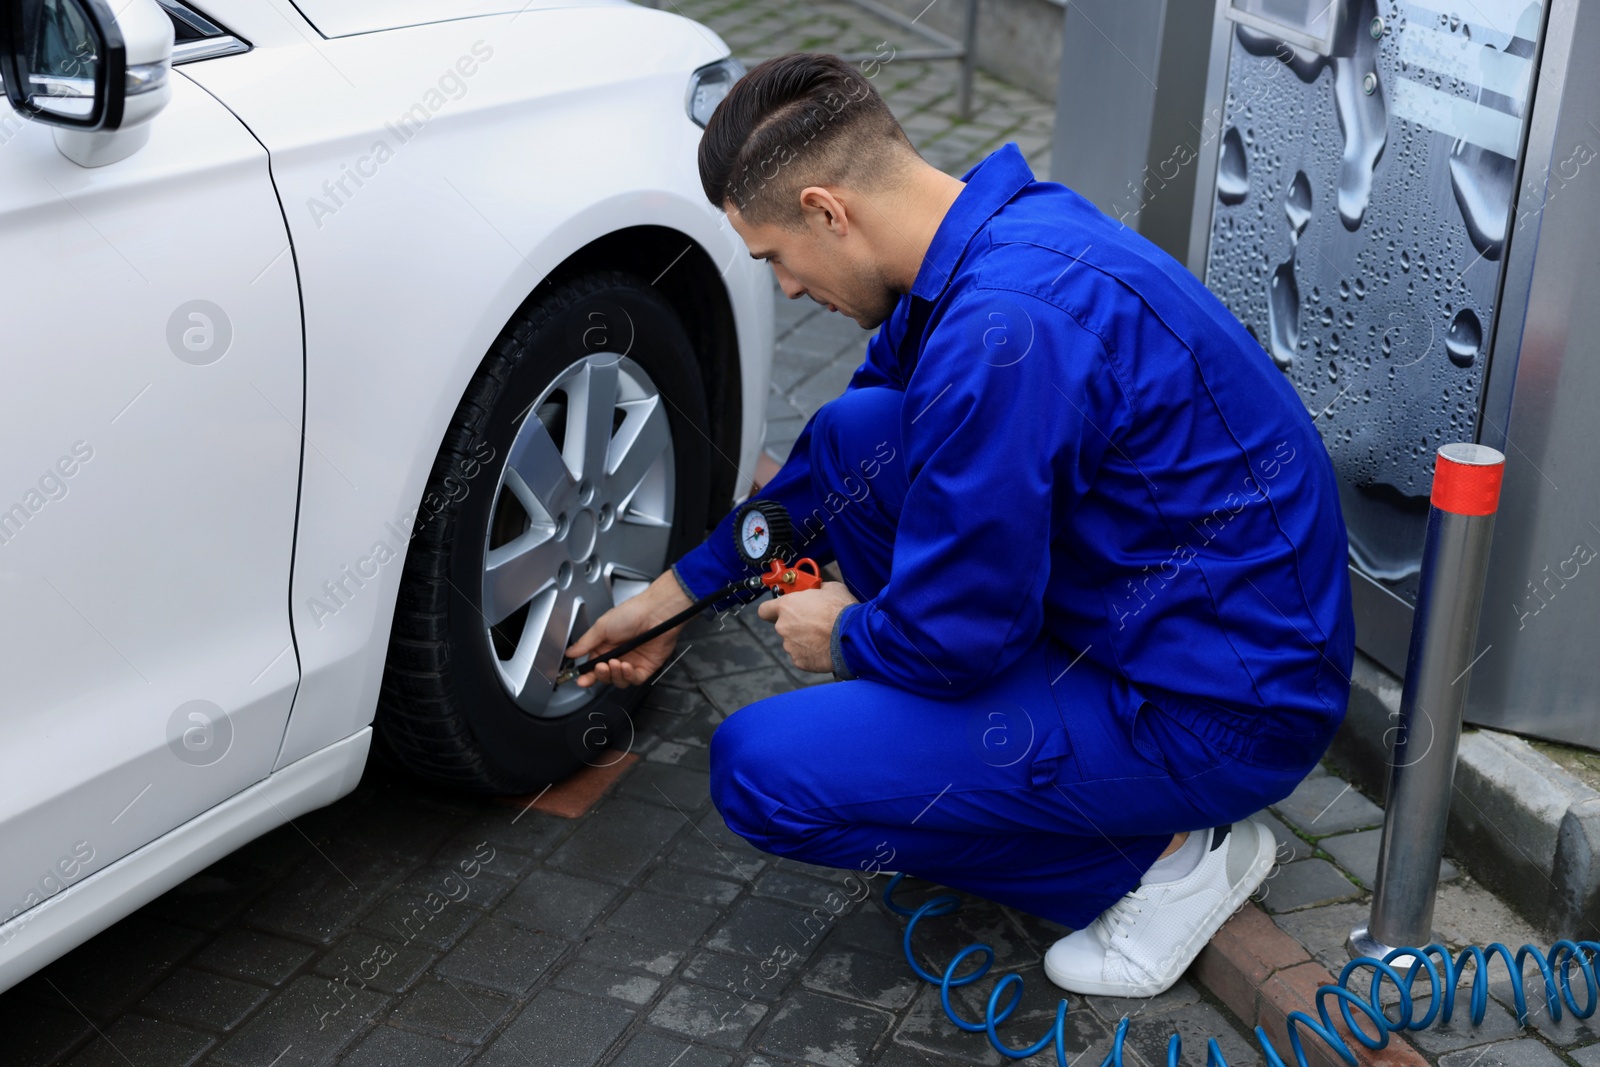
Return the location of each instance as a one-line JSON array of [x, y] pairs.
[[1555, 965]]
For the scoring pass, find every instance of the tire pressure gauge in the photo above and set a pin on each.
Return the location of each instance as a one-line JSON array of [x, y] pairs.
[[763, 531], [764, 535]]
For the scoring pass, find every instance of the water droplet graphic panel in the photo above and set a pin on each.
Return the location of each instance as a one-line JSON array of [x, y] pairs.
[[1373, 286]]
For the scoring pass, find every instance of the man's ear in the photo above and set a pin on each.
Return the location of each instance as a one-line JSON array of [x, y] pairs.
[[825, 210]]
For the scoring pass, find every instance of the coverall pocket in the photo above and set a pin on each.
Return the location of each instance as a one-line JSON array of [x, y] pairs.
[[1168, 743], [1054, 761]]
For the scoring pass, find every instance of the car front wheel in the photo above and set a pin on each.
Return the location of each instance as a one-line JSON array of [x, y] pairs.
[[575, 469]]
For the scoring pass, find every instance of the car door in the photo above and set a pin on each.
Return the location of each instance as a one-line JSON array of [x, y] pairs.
[[150, 442]]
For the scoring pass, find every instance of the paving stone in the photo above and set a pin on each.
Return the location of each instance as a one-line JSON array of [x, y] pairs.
[[1113, 1009], [746, 978], [556, 903], [677, 882], [937, 941], [388, 1047], [254, 956], [904, 1056], [36, 1035], [782, 884], [734, 691], [1587, 1056], [559, 1029], [681, 789], [1195, 1025], [146, 1042], [692, 757], [520, 831], [1522, 1053], [766, 929], [411, 919], [581, 976], [731, 862], [1291, 846], [823, 1030], [714, 828], [1358, 854], [140, 950], [480, 890], [1567, 1030], [673, 920], [674, 701], [708, 1016], [304, 1025], [881, 981], [378, 962], [871, 929], [616, 842], [452, 1011], [199, 998], [398, 825], [614, 948], [274, 853], [1498, 1025], [926, 1028], [725, 653], [698, 726], [501, 957], [1328, 805], [209, 900], [1305, 884], [320, 900], [653, 1050]]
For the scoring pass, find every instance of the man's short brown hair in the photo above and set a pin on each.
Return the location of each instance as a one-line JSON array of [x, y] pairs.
[[797, 120]]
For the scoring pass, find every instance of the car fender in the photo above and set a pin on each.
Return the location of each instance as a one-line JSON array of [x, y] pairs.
[[415, 240]]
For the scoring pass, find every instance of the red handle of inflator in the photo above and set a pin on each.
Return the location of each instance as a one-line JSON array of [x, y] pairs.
[[801, 575]]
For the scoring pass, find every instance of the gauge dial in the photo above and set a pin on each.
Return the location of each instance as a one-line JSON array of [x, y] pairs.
[[762, 531], [755, 535]]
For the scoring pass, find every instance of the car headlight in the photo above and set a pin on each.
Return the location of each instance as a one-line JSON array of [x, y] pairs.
[[707, 87]]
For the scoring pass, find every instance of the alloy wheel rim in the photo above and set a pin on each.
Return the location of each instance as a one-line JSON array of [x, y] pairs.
[[582, 519]]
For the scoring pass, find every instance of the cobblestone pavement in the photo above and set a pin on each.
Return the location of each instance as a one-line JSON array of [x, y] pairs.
[[409, 927]]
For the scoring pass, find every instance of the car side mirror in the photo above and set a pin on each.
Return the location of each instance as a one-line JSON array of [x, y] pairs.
[[97, 77]]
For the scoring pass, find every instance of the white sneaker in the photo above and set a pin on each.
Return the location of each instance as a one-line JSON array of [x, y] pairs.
[[1140, 945]]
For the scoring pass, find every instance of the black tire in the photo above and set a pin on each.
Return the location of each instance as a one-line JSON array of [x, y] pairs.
[[444, 711]]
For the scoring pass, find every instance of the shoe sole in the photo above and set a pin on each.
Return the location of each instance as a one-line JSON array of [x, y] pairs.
[[1266, 859]]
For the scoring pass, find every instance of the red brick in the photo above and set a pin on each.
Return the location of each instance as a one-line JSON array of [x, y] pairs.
[[571, 798], [1242, 955], [1294, 989]]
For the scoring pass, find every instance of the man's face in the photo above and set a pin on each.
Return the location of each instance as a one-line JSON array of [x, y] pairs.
[[833, 265]]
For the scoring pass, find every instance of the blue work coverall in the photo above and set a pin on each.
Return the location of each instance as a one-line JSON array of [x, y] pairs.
[[1101, 568]]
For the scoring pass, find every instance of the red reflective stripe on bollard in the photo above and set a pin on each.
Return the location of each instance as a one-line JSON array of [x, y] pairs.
[[1467, 488]]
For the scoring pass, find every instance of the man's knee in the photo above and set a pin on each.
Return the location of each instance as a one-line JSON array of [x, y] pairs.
[[855, 455], [859, 430], [741, 755]]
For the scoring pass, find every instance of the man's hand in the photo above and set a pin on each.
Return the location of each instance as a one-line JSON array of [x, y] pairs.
[[805, 622], [661, 600]]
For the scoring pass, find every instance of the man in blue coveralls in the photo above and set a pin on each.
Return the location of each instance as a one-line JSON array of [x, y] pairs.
[[1095, 608]]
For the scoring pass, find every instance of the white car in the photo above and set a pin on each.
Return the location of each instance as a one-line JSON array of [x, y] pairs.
[[357, 355]]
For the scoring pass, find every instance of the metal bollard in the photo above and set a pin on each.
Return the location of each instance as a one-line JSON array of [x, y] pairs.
[[1444, 631]]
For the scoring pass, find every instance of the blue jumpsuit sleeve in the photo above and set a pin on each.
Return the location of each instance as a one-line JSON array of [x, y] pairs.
[[715, 562], [1016, 406]]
